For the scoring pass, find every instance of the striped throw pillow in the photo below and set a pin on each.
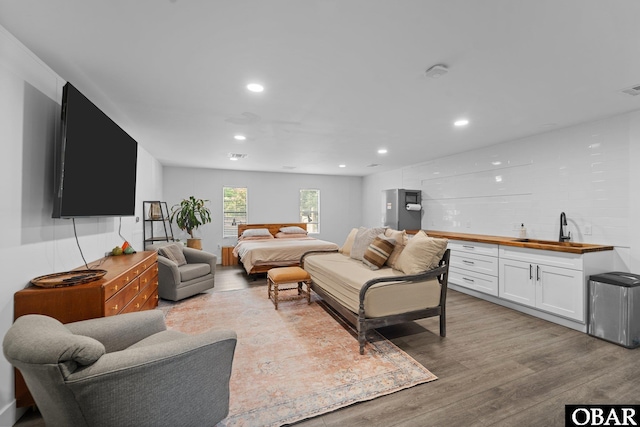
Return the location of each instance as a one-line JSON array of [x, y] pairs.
[[378, 251]]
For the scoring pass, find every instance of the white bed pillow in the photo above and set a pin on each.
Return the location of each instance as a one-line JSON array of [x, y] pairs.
[[293, 229], [253, 232]]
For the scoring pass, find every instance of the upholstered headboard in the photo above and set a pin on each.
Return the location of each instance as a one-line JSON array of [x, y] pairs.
[[273, 228]]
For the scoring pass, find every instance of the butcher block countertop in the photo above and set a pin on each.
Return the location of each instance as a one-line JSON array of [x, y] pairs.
[[547, 245]]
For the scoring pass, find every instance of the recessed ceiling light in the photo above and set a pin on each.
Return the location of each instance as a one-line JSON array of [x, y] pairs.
[[382, 151], [255, 87], [496, 163], [461, 122], [239, 137], [234, 159], [342, 166]]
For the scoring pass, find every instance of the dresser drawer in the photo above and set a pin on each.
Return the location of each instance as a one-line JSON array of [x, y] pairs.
[[116, 303], [472, 280], [474, 262], [148, 276], [152, 301], [489, 249]]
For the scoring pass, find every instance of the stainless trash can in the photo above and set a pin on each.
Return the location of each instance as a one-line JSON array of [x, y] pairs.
[[614, 308]]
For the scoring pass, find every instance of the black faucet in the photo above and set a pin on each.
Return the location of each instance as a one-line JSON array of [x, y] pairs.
[[563, 222]]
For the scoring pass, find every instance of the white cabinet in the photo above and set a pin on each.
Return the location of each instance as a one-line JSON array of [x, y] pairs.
[[474, 266], [553, 289], [553, 282]]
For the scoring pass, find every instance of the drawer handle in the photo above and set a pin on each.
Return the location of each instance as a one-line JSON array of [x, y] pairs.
[[137, 305], [137, 288], [144, 297], [137, 272], [115, 307], [468, 280], [126, 279], [145, 280], [468, 262], [468, 247], [115, 288]]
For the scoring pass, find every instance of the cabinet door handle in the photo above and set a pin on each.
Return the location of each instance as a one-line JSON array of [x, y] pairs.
[[468, 262], [537, 272], [530, 272]]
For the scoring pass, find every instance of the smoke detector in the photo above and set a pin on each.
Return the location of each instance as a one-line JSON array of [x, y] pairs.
[[633, 91], [235, 156], [437, 71]]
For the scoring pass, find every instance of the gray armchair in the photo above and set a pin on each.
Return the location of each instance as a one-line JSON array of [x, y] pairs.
[[124, 370], [182, 271]]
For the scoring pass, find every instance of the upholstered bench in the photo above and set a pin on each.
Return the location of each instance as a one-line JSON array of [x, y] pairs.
[[276, 277]]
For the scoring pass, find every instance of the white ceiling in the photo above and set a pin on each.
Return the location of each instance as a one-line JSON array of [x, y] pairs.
[[343, 78]]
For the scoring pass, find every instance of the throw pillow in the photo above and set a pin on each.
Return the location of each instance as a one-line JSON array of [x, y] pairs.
[[422, 253], [378, 252], [401, 240], [363, 239], [348, 244], [174, 253]]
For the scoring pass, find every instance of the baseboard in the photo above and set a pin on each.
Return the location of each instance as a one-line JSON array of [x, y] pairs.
[[514, 306], [10, 414]]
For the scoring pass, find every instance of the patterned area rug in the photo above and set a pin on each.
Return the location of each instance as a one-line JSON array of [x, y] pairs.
[[294, 363]]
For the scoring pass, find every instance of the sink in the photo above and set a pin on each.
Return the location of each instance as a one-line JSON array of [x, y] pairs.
[[536, 242]]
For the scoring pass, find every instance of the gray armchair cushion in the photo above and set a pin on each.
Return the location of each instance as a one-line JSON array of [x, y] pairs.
[[192, 271], [174, 253], [50, 342]]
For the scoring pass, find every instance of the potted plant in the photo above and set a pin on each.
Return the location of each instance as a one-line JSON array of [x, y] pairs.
[[190, 214]]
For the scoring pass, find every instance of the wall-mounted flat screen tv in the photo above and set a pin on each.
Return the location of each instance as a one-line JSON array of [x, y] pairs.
[[96, 161]]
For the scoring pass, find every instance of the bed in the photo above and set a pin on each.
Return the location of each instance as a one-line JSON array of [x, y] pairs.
[[260, 255]]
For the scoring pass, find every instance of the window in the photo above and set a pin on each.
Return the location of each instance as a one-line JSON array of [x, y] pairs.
[[310, 209], [235, 210]]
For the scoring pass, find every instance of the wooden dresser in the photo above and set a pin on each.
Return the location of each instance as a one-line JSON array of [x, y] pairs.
[[130, 284]]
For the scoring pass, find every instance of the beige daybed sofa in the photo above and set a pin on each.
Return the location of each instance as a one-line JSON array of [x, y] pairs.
[[407, 281]]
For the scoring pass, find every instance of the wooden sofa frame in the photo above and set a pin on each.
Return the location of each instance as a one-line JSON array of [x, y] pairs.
[[364, 323]]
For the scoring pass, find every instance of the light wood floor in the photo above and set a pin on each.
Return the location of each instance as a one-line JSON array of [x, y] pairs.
[[496, 367]]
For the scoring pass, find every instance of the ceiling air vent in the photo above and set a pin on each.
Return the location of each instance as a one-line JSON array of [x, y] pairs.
[[235, 156], [633, 91], [288, 167], [373, 165]]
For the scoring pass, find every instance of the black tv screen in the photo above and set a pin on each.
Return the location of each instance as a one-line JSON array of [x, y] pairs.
[[96, 162]]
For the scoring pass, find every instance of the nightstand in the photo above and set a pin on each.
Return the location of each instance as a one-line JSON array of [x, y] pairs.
[[227, 256]]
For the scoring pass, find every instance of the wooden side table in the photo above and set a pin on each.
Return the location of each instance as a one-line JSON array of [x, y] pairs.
[[227, 256]]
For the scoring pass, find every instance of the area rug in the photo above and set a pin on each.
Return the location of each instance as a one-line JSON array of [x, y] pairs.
[[297, 362]]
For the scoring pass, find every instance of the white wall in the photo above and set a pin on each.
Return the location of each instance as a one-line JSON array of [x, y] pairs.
[[272, 197], [33, 243], [587, 171]]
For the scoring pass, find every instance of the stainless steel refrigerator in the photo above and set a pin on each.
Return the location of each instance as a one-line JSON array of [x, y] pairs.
[[402, 209]]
